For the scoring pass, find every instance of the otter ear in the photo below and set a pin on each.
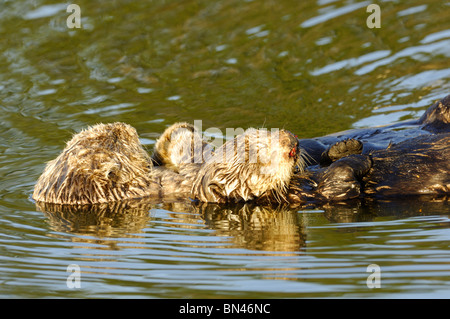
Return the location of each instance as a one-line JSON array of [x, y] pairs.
[[113, 172], [112, 176]]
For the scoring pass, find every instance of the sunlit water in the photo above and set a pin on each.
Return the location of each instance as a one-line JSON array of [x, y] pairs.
[[313, 67]]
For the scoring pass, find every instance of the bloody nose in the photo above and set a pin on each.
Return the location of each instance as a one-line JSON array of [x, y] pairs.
[[293, 152]]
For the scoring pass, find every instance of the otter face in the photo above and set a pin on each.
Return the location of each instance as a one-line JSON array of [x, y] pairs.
[[437, 118], [101, 164], [253, 164]]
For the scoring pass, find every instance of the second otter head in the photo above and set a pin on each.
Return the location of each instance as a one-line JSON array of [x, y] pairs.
[[180, 144], [102, 164], [255, 164], [436, 118]]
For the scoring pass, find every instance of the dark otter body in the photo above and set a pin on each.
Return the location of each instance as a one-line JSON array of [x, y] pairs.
[[419, 166], [435, 120], [415, 161]]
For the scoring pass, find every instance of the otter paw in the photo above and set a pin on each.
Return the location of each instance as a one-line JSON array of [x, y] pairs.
[[342, 149], [341, 180], [339, 183]]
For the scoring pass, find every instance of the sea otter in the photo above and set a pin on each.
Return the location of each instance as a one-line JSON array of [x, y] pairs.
[[408, 158], [107, 163], [417, 164], [255, 164]]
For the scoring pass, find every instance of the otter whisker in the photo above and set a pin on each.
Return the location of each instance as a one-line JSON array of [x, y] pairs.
[[258, 165], [305, 159]]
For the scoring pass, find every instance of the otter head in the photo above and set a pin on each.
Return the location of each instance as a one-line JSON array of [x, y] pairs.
[[436, 118], [180, 144], [254, 164], [101, 164]]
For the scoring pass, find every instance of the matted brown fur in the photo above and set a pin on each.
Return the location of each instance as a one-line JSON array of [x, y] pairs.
[[101, 164], [107, 163], [254, 164], [181, 144]]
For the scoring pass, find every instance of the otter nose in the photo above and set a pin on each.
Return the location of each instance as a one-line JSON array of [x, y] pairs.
[[292, 143], [293, 152]]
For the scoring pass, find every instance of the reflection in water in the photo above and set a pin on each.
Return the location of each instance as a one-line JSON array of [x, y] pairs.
[[249, 226], [369, 210], [256, 227], [246, 225], [103, 220]]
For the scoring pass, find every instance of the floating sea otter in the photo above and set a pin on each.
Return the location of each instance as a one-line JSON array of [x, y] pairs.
[[107, 163], [369, 163], [363, 161]]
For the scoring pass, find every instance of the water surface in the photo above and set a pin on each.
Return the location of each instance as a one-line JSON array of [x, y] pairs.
[[313, 67]]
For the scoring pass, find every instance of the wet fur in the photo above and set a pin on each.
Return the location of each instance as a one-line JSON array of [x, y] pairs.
[[107, 163], [253, 165], [101, 164], [417, 167], [181, 144]]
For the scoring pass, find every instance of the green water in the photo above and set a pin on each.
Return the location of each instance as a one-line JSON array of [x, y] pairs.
[[313, 67]]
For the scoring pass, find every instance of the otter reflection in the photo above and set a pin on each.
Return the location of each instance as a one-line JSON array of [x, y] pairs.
[[104, 220], [360, 211], [277, 228], [268, 228], [249, 226]]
